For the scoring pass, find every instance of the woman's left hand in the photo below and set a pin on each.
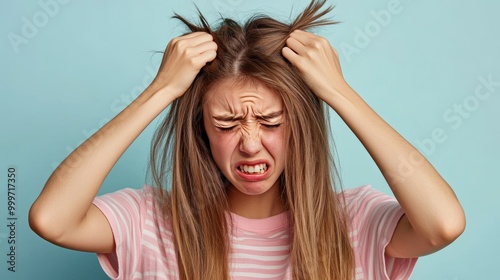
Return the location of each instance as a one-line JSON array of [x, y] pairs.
[[317, 61]]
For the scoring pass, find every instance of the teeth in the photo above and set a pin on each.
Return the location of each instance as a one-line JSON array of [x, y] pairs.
[[252, 169]]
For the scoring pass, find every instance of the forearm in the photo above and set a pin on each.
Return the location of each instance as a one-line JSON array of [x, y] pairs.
[[429, 203], [70, 190]]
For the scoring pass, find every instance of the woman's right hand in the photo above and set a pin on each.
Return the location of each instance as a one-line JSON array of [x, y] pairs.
[[182, 61]]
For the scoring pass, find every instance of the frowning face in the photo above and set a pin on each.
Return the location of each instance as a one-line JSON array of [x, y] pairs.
[[244, 124]]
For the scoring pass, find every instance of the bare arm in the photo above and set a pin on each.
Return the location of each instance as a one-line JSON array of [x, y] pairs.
[[63, 213], [433, 216]]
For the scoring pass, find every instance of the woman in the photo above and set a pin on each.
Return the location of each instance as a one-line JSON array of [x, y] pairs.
[[252, 182]]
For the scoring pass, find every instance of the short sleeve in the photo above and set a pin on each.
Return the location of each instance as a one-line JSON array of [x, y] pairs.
[[124, 211], [373, 219]]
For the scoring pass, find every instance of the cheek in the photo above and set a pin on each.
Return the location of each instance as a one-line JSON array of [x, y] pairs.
[[275, 143], [222, 147]]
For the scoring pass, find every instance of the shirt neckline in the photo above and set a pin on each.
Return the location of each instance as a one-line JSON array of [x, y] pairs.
[[277, 222]]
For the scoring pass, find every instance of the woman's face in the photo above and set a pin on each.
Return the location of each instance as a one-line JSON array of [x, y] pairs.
[[244, 124]]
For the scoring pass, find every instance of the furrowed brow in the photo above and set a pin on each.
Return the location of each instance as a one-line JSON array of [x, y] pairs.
[[232, 118], [227, 118]]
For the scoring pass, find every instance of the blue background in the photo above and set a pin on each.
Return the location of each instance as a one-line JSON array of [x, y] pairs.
[[68, 67]]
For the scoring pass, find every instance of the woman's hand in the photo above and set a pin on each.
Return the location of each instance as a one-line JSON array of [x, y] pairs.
[[182, 61], [317, 61]]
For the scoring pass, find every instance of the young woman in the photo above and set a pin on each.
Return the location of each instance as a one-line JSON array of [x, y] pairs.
[[243, 173]]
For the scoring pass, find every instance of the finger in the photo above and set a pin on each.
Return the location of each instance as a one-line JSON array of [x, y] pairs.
[[194, 39], [290, 55], [295, 45], [205, 57], [201, 38], [204, 46], [305, 34], [308, 39], [192, 34], [301, 36]]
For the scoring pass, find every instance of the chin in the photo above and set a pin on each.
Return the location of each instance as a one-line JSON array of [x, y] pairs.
[[255, 191], [253, 188]]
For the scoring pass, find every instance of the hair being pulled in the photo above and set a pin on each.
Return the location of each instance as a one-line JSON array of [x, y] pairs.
[[197, 203]]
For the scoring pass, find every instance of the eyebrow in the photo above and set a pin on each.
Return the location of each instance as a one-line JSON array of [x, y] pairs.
[[270, 115], [232, 118]]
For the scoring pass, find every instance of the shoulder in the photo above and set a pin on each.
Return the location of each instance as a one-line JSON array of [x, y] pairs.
[[131, 206], [359, 198], [127, 198], [361, 191], [372, 218], [140, 230], [367, 207]]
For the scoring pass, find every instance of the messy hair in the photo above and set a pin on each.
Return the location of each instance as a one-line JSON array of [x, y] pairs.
[[195, 202]]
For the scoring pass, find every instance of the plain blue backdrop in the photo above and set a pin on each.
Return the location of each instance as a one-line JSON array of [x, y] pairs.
[[429, 68]]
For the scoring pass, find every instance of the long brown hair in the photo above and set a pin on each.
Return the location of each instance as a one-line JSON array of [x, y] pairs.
[[197, 203]]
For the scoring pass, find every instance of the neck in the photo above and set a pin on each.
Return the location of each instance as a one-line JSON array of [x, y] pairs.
[[256, 206]]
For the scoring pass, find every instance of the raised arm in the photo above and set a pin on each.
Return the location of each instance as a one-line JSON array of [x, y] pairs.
[[63, 213], [433, 215]]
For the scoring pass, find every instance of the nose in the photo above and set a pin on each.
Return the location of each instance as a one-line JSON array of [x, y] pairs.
[[250, 143]]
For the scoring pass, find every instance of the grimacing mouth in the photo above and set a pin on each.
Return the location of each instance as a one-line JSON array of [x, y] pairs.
[[253, 169]]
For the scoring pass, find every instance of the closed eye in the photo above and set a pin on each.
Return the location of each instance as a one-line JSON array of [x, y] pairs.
[[226, 129], [271, 126]]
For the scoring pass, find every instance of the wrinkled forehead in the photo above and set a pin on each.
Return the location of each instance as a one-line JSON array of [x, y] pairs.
[[240, 94]]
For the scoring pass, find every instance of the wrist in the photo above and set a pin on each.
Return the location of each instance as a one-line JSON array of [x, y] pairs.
[[163, 96], [339, 94]]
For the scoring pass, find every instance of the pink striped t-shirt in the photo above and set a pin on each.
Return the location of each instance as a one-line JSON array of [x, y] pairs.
[[259, 247]]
